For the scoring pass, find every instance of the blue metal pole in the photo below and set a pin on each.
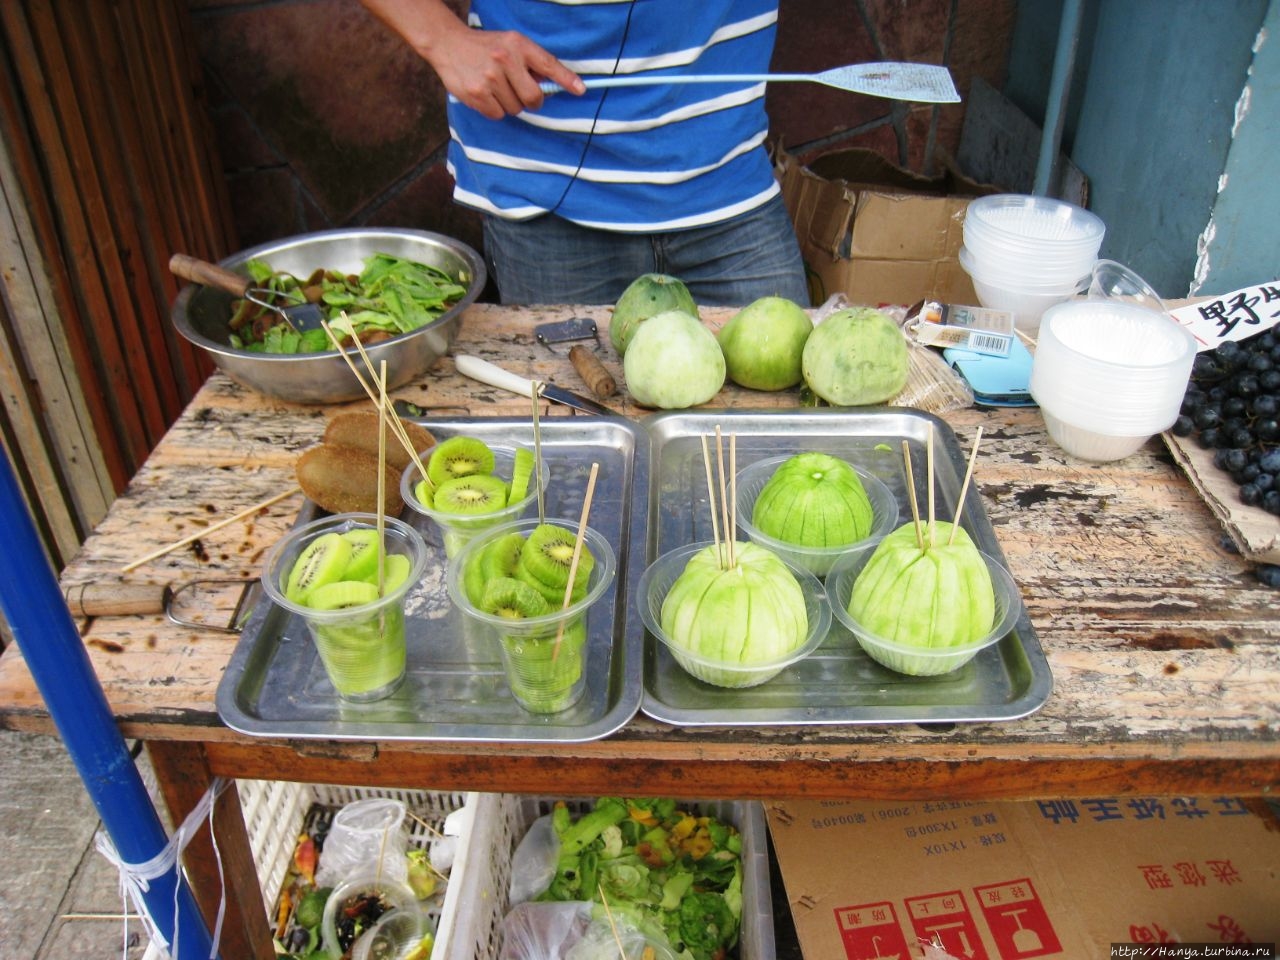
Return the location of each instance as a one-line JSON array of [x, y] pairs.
[[45, 632], [1064, 62]]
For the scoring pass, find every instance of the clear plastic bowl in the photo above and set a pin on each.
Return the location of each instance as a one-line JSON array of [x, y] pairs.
[[658, 579], [905, 658], [1014, 217], [817, 560], [456, 528], [397, 896], [1021, 275]]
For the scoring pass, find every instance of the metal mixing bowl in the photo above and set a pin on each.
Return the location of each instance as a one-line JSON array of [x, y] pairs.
[[201, 314]]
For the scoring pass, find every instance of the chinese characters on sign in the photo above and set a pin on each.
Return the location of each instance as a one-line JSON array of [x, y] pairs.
[[1235, 316]]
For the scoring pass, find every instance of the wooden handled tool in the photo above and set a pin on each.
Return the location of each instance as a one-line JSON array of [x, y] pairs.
[[115, 598], [301, 316], [599, 380]]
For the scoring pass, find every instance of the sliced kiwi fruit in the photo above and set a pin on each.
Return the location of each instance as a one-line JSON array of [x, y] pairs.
[[359, 429], [322, 561], [521, 474], [363, 562], [477, 494], [459, 456], [395, 571], [554, 595], [497, 559], [345, 480], [513, 600], [548, 555], [342, 594]]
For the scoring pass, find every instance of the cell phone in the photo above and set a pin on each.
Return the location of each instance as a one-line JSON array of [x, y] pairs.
[[995, 381]]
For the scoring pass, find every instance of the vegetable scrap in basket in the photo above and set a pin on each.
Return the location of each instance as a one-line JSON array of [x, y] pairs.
[[390, 296], [673, 875]]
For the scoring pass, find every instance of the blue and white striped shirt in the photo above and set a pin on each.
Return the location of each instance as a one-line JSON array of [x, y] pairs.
[[655, 158]]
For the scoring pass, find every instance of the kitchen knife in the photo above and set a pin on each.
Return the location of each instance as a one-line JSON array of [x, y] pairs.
[[495, 376]]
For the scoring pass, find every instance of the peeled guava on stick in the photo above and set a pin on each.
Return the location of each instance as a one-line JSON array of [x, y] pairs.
[[931, 597], [646, 296], [751, 613], [814, 500], [856, 357]]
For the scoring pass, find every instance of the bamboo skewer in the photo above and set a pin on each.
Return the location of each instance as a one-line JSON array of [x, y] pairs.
[[608, 912], [964, 487], [397, 426], [928, 460], [577, 555], [534, 390], [247, 512], [729, 532], [911, 494], [383, 413], [711, 499]]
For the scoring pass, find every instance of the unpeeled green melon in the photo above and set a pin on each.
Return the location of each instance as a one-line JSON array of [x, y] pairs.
[[647, 296]]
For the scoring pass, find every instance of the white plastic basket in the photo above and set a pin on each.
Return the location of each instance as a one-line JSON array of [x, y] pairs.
[[477, 898]]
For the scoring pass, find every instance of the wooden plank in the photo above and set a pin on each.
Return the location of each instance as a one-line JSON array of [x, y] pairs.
[[55, 431], [86, 121], [31, 174], [63, 143]]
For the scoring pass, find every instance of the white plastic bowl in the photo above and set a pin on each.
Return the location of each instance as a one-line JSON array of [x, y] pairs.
[[1011, 218], [1088, 444]]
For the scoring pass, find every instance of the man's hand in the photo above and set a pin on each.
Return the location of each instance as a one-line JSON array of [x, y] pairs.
[[496, 73]]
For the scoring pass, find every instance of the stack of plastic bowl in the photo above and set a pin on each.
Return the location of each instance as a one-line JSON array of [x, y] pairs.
[[1026, 253], [1108, 375]]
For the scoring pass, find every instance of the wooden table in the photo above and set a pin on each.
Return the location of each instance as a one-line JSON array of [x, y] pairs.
[[1165, 650]]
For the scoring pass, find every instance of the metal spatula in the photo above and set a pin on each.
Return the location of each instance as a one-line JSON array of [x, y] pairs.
[[919, 82], [302, 316]]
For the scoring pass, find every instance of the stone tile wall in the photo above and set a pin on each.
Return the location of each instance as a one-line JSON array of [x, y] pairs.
[[326, 119]]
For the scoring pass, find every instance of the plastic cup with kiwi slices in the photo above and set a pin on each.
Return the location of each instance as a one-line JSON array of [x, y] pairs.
[[473, 486], [510, 583], [328, 573]]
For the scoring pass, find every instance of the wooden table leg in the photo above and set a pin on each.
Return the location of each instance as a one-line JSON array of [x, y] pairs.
[[182, 774]]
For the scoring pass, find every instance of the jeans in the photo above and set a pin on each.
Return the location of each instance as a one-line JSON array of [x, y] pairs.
[[550, 260]]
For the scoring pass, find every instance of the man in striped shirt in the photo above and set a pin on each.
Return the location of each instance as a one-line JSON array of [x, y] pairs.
[[583, 190]]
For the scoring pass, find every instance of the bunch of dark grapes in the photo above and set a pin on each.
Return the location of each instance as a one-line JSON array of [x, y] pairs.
[[1231, 407]]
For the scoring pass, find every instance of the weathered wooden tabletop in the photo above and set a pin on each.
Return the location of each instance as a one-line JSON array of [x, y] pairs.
[[1164, 648]]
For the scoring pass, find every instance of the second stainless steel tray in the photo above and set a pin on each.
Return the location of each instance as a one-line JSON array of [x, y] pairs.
[[838, 684], [455, 688]]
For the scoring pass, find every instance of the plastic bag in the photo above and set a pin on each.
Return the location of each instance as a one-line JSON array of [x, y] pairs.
[[533, 865], [366, 836], [573, 930]]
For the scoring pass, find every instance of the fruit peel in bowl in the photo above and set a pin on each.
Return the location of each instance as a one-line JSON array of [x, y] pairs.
[[760, 581], [923, 610]]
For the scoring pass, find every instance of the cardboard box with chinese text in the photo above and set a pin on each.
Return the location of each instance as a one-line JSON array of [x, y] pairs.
[[1013, 881]]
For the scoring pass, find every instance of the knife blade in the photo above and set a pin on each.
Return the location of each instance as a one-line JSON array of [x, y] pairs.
[[495, 376]]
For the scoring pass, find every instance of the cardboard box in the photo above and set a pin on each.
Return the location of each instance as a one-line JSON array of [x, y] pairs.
[[876, 232], [1014, 881]]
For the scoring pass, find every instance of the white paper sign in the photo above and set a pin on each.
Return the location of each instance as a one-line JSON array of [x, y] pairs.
[[1235, 316]]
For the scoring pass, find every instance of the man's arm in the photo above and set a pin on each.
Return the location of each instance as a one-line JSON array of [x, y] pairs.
[[494, 72]]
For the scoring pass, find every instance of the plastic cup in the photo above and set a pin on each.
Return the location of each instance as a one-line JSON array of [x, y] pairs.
[[396, 896], [817, 560], [458, 529], [544, 657], [361, 647], [1114, 281]]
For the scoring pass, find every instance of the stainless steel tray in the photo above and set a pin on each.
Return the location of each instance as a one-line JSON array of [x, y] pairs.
[[838, 684], [455, 689]]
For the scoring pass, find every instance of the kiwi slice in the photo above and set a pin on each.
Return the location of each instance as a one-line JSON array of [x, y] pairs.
[[521, 474], [498, 558], [322, 561], [395, 571], [342, 594], [459, 456], [554, 595], [482, 493], [513, 600], [548, 554], [363, 562]]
